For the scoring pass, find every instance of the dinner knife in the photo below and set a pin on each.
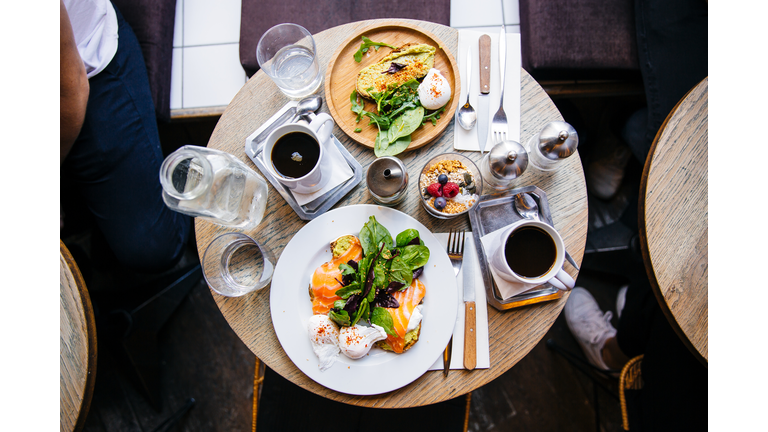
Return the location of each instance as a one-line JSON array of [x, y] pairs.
[[484, 101], [470, 332]]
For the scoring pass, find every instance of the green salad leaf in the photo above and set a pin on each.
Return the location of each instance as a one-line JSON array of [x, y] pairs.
[[366, 45], [381, 317], [371, 235]]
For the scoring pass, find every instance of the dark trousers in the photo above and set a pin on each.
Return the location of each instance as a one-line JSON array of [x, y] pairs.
[[115, 162], [672, 49]]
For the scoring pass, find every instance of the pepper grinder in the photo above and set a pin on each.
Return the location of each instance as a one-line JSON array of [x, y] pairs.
[[556, 141], [387, 181], [504, 164]]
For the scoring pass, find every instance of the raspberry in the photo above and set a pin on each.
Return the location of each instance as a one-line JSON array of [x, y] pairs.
[[435, 189], [450, 190]]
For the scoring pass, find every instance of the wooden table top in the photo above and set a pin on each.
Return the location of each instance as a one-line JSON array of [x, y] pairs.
[[675, 219], [77, 345], [512, 333]]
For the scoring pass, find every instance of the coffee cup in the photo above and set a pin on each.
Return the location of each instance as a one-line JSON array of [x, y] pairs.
[[531, 253], [295, 154]]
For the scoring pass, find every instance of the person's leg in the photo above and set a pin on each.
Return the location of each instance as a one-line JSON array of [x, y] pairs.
[[672, 48], [116, 160]]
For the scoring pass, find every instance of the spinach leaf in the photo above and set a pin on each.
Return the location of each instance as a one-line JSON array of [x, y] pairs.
[[406, 236], [353, 288], [381, 317], [405, 124], [415, 256], [340, 317], [393, 149], [361, 311], [366, 45], [339, 304], [346, 269], [371, 235], [400, 271]]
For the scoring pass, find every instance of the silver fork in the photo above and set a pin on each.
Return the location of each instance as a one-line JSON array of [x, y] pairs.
[[499, 126], [455, 251]]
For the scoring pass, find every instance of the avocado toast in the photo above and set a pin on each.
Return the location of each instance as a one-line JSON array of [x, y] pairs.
[[413, 60]]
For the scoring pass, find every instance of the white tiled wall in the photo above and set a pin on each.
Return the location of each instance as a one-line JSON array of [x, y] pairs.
[[206, 69]]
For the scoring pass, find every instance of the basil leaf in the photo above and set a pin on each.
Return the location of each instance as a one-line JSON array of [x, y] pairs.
[[341, 317], [382, 318], [405, 237], [371, 235], [415, 256]]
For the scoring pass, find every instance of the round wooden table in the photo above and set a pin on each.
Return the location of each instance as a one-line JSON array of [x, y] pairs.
[[512, 333], [77, 345], [675, 219]]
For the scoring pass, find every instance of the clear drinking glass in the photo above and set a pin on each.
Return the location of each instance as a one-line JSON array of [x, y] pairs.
[[213, 185], [287, 53], [235, 264]]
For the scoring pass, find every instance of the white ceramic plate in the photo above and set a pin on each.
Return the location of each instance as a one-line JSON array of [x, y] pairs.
[[380, 371]]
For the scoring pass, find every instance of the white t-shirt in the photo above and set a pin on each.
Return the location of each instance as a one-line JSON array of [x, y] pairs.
[[95, 27]]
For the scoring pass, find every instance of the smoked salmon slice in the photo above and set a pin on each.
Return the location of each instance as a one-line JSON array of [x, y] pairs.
[[325, 279], [408, 298]]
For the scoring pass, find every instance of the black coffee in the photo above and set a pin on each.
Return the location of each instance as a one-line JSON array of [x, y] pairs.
[[530, 252], [295, 154]]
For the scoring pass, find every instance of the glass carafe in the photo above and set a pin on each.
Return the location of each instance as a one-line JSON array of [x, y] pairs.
[[213, 185]]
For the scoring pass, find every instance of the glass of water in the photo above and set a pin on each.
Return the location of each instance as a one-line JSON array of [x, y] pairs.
[[235, 264], [287, 53]]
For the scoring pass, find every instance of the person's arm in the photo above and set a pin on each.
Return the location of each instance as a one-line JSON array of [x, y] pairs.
[[74, 86]]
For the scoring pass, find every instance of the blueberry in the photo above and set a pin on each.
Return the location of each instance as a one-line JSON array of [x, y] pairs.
[[440, 203], [442, 179]]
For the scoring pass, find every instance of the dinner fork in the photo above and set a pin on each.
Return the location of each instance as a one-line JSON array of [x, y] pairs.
[[499, 126], [455, 251]]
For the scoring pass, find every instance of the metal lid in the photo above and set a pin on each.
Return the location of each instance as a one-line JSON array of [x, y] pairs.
[[558, 140], [508, 160], [387, 176]]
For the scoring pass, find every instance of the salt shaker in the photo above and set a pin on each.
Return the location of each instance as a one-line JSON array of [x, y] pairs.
[[213, 185], [387, 180], [504, 164], [556, 141]]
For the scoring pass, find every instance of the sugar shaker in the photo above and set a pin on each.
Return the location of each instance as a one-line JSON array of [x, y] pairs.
[[557, 141], [387, 180], [504, 164]]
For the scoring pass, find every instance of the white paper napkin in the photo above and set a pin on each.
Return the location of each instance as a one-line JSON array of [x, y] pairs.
[[340, 172], [467, 139], [481, 313], [507, 289]]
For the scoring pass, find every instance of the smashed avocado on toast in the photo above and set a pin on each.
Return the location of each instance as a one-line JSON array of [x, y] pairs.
[[413, 60], [410, 339]]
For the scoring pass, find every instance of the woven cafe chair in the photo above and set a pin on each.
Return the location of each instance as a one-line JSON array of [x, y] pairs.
[[630, 379], [258, 381]]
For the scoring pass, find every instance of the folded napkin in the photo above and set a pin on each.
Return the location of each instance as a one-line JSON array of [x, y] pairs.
[[491, 242], [467, 139], [340, 172], [481, 313]]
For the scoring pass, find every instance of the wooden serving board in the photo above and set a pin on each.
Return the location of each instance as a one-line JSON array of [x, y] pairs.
[[341, 78]]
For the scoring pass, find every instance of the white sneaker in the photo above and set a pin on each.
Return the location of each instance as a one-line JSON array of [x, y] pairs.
[[621, 300], [589, 325]]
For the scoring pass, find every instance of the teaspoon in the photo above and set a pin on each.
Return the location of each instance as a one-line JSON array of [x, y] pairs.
[[466, 115], [306, 106]]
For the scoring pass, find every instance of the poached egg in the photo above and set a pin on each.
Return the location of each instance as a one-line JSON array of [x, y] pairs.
[[434, 91], [356, 341], [324, 336]]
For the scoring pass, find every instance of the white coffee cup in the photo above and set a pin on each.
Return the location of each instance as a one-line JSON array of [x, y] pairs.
[[555, 275], [320, 130]]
